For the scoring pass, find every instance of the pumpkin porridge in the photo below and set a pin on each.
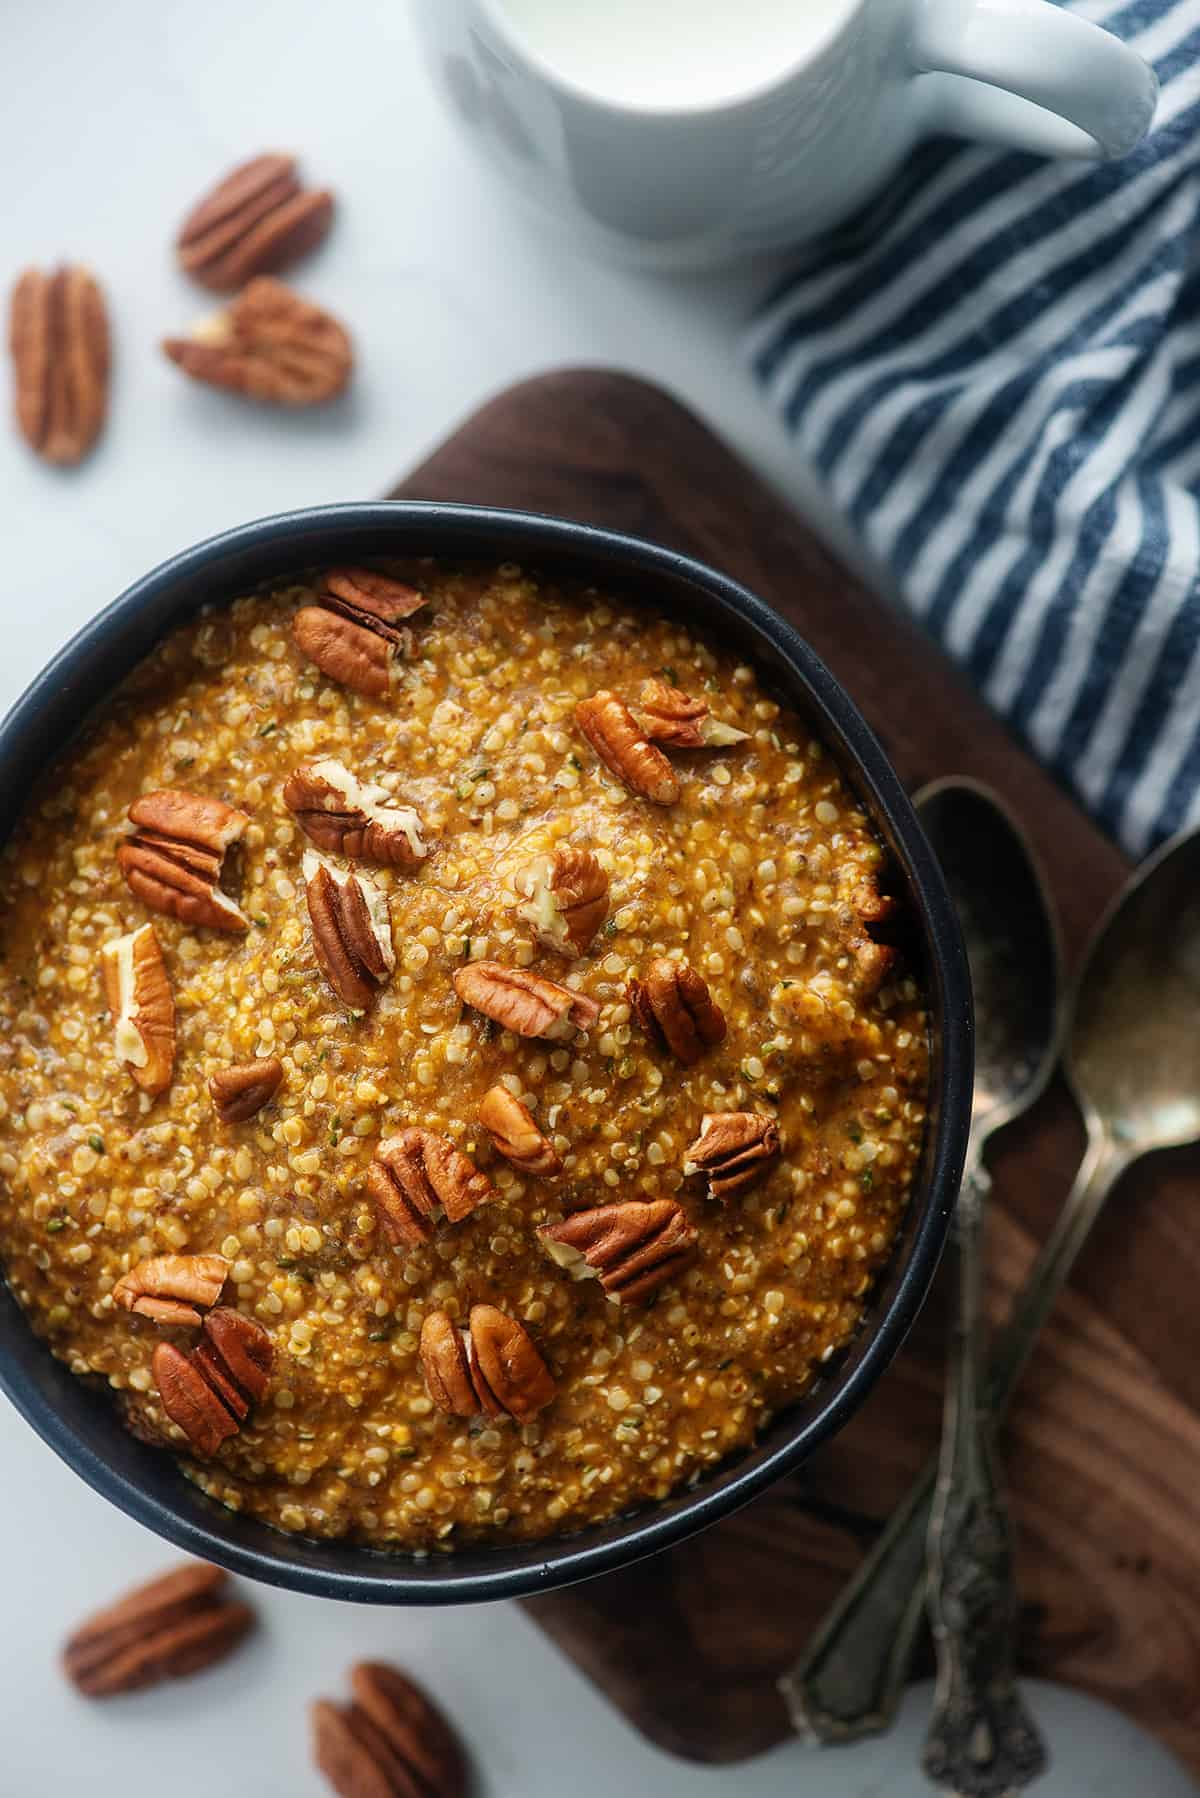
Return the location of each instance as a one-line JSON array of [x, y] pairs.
[[457, 1075]]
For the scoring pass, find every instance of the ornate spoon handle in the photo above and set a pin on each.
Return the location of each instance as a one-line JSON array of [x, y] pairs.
[[849, 1680], [982, 1742]]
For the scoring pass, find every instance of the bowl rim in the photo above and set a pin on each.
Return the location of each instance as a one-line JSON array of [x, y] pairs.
[[449, 531]]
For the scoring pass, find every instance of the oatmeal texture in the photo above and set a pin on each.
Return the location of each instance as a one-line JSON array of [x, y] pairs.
[[762, 876]]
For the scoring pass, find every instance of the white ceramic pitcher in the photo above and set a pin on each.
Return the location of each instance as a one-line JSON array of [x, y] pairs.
[[706, 179]]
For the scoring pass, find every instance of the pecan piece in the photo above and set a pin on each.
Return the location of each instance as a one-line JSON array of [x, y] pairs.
[[511, 1127], [492, 1367], [138, 989], [269, 345], [239, 1092], [866, 911], [58, 336], [351, 930], [735, 1149], [175, 858], [353, 818], [209, 1392], [669, 715], [168, 1288], [674, 1006], [353, 632], [391, 1742], [420, 1176], [256, 221], [178, 1624], [613, 732], [568, 902], [631, 1248], [524, 1002]]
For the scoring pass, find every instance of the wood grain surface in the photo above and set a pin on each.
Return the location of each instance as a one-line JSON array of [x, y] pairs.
[[1103, 1448]]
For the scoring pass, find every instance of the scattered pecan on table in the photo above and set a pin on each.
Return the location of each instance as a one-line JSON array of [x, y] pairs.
[[258, 220], [391, 1741], [179, 1624], [269, 345], [59, 340]]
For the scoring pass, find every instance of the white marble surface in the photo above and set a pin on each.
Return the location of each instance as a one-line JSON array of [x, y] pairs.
[[114, 117]]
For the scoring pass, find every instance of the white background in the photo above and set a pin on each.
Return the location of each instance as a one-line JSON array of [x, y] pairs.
[[115, 117]]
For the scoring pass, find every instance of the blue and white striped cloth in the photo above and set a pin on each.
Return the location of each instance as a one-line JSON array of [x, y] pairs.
[[995, 371]]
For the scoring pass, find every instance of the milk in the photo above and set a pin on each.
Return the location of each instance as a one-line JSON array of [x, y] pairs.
[[669, 53]]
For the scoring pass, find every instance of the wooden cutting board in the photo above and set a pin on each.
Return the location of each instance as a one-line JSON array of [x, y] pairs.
[[1103, 1451]]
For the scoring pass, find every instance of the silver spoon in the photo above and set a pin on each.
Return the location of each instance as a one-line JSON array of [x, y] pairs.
[[1133, 1063], [981, 1740]]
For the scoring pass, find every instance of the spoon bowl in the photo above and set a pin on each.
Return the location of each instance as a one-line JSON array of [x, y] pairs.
[[1133, 1059]]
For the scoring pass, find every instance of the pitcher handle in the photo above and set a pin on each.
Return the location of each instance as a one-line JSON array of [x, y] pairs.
[[1038, 78]]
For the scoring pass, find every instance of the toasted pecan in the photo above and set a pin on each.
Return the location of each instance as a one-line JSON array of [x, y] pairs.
[[492, 1367], [174, 860], [239, 1092], [208, 1393], [58, 338], [669, 715], [615, 735], [390, 1742], [354, 633], [524, 1002], [138, 989], [169, 1288], [673, 1005], [418, 1177], [353, 818], [269, 345], [735, 1150], [511, 1127], [631, 1247], [178, 1624], [569, 901], [351, 930], [258, 220]]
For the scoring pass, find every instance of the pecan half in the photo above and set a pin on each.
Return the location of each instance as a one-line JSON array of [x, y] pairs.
[[269, 345], [673, 1005], [491, 1367], [138, 989], [511, 1127], [865, 911], [391, 1742], [631, 1248], [178, 1624], [209, 1392], [256, 221], [569, 901], [351, 930], [58, 337], [174, 860], [420, 1176], [168, 1288], [353, 632], [524, 1002], [239, 1092], [354, 818], [735, 1149], [669, 715], [613, 732]]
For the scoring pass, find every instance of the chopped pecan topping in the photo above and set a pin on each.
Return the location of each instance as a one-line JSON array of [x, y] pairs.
[[524, 1002], [208, 1393], [569, 901], [269, 345], [866, 911], [674, 1006], [168, 1288], [631, 1248], [418, 1177], [58, 336], [138, 989], [178, 1624], [668, 715], [354, 633], [256, 221], [351, 930], [353, 818], [613, 732], [239, 1092], [391, 1742], [491, 1368], [511, 1127], [175, 858], [735, 1149]]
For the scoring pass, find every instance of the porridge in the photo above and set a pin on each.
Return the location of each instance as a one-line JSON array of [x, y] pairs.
[[457, 1074]]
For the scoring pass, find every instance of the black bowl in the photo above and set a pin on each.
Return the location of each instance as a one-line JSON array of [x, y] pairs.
[[80, 1421]]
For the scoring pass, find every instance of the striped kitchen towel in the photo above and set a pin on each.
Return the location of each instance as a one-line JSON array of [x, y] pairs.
[[995, 372]]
